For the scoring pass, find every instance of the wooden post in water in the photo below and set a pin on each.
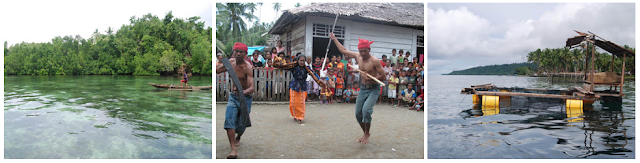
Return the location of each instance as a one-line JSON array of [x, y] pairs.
[[593, 56], [612, 56], [624, 58], [586, 59]]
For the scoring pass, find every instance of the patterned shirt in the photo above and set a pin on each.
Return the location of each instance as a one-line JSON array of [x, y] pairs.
[[298, 82]]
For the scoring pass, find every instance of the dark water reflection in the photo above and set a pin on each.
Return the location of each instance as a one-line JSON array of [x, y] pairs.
[[525, 127], [105, 117]]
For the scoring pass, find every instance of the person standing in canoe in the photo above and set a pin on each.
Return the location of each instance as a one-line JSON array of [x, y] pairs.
[[184, 80], [244, 71], [370, 89]]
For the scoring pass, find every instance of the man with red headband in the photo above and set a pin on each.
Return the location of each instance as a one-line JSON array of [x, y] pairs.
[[244, 71], [369, 88]]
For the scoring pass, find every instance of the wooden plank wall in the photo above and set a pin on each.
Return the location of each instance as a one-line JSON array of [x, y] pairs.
[[297, 38], [277, 81], [385, 38]]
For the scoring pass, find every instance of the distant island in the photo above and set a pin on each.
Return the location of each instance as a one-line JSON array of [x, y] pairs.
[[505, 69]]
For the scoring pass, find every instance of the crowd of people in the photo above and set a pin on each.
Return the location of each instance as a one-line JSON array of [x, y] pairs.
[[404, 84]]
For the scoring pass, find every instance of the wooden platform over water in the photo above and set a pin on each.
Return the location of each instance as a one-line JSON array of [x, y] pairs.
[[576, 93]]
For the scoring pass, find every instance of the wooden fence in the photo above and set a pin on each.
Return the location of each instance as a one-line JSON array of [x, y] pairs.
[[270, 85]]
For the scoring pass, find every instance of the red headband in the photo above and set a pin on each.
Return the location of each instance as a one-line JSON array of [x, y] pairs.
[[240, 46], [364, 44]]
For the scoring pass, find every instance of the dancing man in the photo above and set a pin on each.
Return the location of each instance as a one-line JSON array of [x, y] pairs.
[[369, 89], [244, 71]]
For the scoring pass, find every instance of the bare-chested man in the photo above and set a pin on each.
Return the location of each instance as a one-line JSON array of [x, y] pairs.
[[244, 70], [369, 89]]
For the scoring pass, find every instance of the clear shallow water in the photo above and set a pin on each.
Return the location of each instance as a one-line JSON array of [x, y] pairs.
[[105, 117], [527, 127]]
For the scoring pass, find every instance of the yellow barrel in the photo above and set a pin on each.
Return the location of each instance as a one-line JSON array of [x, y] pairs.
[[574, 103], [490, 110], [476, 99], [490, 100], [574, 110]]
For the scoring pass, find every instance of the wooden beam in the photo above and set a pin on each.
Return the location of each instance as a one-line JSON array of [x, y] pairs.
[[482, 85], [579, 89], [532, 95], [607, 94]]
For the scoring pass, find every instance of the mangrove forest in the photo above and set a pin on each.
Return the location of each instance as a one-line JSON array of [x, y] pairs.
[[148, 45]]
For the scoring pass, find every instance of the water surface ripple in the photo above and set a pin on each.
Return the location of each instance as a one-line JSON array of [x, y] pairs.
[[525, 127], [105, 117]]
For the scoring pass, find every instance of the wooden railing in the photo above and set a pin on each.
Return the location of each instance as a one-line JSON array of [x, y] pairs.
[[270, 85]]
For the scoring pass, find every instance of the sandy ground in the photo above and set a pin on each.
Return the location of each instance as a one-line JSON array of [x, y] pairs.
[[329, 131]]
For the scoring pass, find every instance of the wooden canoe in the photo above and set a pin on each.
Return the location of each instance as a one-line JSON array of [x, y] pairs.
[[180, 88]]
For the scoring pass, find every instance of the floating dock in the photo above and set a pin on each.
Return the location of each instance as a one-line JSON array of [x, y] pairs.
[[489, 95]]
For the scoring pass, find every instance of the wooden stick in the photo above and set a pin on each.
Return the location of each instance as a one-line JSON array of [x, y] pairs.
[[376, 79], [329, 45]]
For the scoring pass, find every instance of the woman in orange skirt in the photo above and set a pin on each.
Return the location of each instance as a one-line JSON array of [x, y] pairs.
[[298, 89]]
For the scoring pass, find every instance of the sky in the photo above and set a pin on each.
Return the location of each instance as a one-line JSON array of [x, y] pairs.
[[267, 14], [462, 36], [41, 21]]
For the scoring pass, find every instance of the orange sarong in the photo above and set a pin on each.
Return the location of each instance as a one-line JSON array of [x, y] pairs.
[[296, 103]]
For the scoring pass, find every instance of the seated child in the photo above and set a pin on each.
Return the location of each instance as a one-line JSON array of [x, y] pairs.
[[355, 91], [408, 96], [348, 94], [419, 104]]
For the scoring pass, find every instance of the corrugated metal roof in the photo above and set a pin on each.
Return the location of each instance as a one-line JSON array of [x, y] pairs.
[[614, 48], [401, 14], [608, 46]]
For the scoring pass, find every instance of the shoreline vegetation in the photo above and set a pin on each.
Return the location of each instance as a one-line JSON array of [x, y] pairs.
[[558, 60], [504, 69], [626, 77], [148, 45]]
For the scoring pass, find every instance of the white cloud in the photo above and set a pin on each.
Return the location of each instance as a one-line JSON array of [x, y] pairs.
[[461, 36], [455, 31]]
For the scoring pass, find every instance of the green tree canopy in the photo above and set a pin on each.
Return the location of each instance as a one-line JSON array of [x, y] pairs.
[[572, 60], [146, 46]]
